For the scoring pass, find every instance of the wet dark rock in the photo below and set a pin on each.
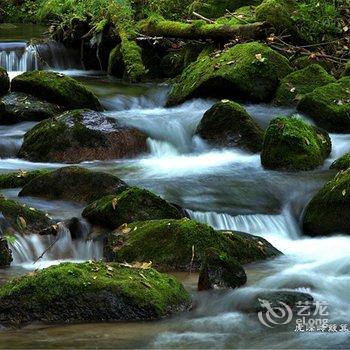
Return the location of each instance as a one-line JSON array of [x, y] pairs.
[[18, 107], [4, 82], [81, 135], [227, 124], [5, 253], [134, 204], [329, 210], [220, 271], [91, 292], [74, 184], [56, 88], [292, 144]]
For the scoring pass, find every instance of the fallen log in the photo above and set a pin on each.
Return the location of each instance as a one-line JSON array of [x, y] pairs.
[[201, 30]]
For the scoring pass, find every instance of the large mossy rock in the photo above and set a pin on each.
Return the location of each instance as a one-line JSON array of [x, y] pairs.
[[342, 163], [56, 88], [23, 219], [218, 8], [248, 71], [91, 292], [227, 124], [292, 144], [4, 82], [295, 85], [329, 211], [19, 178], [329, 106], [134, 204], [75, 184], [81, 135], [182, 245], [17, 107]]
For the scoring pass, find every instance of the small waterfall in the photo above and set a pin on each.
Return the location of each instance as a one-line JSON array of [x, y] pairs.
[[279, 226], [28, 248], [23, 57]]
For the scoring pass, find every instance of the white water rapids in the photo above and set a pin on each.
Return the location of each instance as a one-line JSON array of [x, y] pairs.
[[225, 188]]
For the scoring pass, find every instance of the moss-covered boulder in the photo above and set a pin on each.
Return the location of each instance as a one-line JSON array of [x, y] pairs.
[[342, 163], [329, 106], [91, 292], [227, 124], [249, 71], [4, 82], [56, 88], [5, 253], [81, 135], [306, 61], [218, 8], [295, 85], [182, 245], [17, 107], [292, 144], [116, 66], [20, 178], [75, 184], [329, 211], [22, 218], [134, 204]]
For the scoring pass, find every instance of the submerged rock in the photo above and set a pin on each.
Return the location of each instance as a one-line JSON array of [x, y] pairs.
[[182, 245], [56, 88], [329, 106], [81, 135], [295, 85], [91, 292], [292, 144], [4, 82], [263, 301], [134, 204], [329, 210], [17, 107], [227, 124], [23, 219], [20, 178], [75, 184], [249, 71]]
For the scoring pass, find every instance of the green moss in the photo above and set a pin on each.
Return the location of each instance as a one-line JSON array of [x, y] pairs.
[[182, 244], [20, 178], [56, 88], [73, 183], [217, 8], [116, 65], [295, 85], [329, 211], [229, 124], [4, 82], [243, 15], [306, 61], [292, 144], [234, 73], [23, 218], [346, 72], [109, 291], [131, 205], [342, 163], [132, 58], [329, 106]]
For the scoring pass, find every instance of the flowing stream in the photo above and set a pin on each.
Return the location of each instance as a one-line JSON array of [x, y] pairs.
[[225, 188]]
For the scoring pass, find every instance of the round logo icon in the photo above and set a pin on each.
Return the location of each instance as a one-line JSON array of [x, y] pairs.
[[275, 315]]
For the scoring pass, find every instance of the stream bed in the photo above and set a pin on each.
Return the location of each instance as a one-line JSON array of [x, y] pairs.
[[225, 188]]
